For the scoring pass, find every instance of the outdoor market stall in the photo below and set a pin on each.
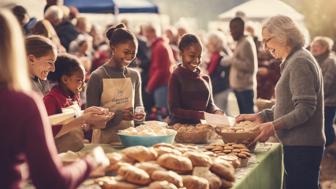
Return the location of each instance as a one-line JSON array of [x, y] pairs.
[[232, 165]]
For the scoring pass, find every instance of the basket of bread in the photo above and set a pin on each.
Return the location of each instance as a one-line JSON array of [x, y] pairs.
[[194, 134], [169, 166], [148, 134], [242, 133]]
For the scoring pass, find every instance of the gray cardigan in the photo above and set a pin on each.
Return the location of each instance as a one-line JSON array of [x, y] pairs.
[[299, 102]]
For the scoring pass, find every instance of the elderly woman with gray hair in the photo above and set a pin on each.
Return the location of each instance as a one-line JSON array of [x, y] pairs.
[[218, 72], [297, 117], [321, 48]]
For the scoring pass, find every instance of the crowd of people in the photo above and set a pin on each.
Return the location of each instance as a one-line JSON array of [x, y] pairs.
[[70, 64]]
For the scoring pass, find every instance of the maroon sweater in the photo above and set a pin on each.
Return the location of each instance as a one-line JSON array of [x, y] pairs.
[[190, 95], [26, 137]]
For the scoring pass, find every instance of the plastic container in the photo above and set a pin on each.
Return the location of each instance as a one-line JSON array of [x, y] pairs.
[[131, 140]]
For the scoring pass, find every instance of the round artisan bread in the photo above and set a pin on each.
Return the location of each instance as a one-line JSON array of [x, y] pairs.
[[134, 175], [179, 164], [140, 153], [161, 185], [169, 176], [166, 150], [198, 159], [204, 172], [224, 169], [195, 182], [149, 167]]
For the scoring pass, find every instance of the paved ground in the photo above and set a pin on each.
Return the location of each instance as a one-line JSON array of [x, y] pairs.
[[328, 168]]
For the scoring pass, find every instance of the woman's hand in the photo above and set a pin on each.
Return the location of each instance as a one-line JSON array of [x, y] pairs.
[[97, 117], [127, 114], [266, 130], [256, 118]]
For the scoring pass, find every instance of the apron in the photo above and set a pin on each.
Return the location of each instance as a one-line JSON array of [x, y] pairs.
[[118, 94], [72, 140]]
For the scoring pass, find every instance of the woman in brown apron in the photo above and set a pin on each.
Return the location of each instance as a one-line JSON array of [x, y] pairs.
[[116, 87]]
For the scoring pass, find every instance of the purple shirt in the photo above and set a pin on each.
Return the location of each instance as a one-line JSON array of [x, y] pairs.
[[26, 136]]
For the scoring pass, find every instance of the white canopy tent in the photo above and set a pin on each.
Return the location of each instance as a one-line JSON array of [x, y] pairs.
[[258, 10]]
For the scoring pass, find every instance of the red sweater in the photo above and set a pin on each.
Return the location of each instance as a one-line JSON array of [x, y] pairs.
[[159, 70], [26, 137], [55, 100], [214, 60], [190, 95]]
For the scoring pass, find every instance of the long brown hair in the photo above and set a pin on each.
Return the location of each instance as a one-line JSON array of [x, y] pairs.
[[13, 64], [39, 46]]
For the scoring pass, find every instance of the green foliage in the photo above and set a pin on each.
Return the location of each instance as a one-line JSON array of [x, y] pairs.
[[319, 16]]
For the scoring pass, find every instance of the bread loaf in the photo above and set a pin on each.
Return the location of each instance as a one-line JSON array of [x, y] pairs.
[[198, 159], [166, 150], [204, 172], [114, 158], [140, 153], [149, 167], [161, 185], [176, 163], [134, 175], [224, 169], [194, 182], [169, 176], [113, 183]]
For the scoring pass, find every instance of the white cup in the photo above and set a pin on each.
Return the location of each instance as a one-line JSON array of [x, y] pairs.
[[139, 113]]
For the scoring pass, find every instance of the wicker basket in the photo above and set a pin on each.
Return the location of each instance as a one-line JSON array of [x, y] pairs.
[[199, 134], [245, 138]]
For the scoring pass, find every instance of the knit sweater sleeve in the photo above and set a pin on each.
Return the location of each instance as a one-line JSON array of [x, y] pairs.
[[174, 101], [303, 88], [137, 89], [94, 89]]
